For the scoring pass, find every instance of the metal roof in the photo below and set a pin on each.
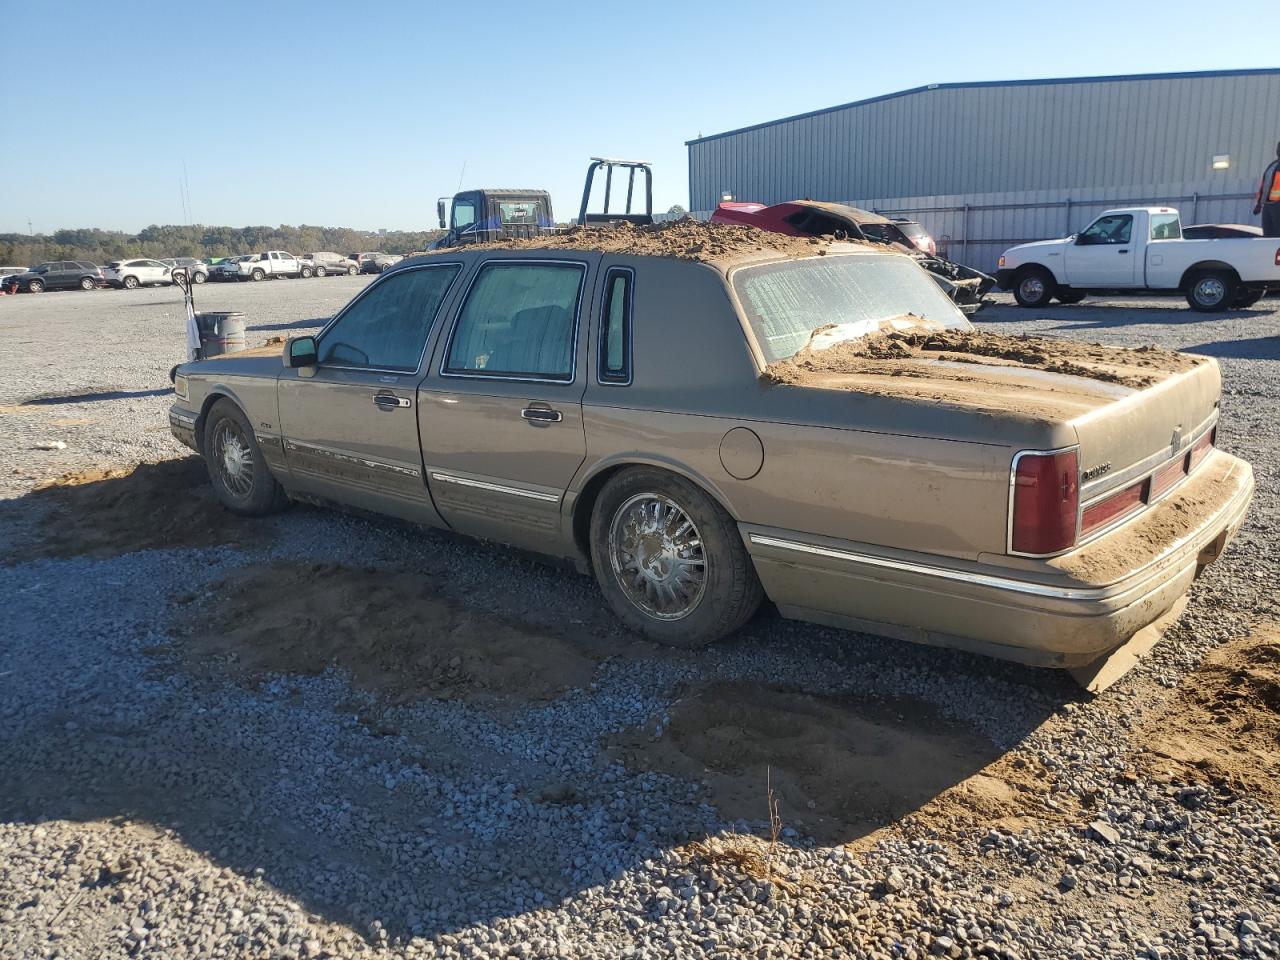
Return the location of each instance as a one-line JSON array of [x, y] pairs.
[[980, 84]]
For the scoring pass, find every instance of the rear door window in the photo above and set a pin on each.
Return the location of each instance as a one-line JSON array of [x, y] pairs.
[[519, 320], [1165, 226], [387, 327], [615, 327]]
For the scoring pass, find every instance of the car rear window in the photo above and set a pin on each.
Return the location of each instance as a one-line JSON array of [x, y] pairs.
[[786, 302], [913, 230]]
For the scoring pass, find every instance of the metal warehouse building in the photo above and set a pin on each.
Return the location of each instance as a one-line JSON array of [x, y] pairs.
[[986, 165]]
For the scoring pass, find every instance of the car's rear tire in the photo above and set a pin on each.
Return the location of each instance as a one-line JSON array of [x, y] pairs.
[[321, 271], [1034, 287], [1068, 296], [1211, 291], [351, 271], [305, 273], [239, 473], [129, 283], [258, 274], [198, 278], [86, 283], [35, 286], [669, 559]]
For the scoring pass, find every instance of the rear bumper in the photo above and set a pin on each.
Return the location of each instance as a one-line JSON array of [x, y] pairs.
[[1039, 616]]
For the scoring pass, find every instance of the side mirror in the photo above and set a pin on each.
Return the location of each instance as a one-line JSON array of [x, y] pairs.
[[300, 352], [440, 215]]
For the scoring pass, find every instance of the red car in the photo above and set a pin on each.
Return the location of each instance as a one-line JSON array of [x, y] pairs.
[[814, 218]]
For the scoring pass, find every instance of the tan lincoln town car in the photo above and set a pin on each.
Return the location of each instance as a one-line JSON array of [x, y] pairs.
[[746, 416]]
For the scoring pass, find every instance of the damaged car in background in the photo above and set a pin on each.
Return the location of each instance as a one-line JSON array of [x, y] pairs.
[[705, 415], [813, 218]]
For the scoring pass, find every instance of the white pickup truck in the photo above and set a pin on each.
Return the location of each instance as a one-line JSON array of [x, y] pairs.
[[273, 263], [1142, 248]]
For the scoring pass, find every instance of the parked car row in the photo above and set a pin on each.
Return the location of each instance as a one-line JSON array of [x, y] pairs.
[[144, 271]]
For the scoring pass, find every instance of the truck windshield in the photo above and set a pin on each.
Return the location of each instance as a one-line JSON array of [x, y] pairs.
[[786, 302]]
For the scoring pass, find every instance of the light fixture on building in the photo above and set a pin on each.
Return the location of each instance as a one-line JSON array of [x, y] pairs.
[[1221, 161], [726, 197]]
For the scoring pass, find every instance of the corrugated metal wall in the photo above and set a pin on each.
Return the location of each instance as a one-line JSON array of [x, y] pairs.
[[1031, 160]]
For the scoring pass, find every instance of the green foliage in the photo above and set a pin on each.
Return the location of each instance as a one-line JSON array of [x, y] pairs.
[[101, 246], [676, 212]]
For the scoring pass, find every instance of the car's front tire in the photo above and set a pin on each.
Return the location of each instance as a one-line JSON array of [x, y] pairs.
[[321, 271], [1211, 291], [199, 278], [1034, 287], [239, 473], [86, 283], [669, 559], [305, 273], [129, 283], [352, 271]]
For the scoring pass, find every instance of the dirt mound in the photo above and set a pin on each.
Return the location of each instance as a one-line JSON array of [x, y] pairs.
[[109, 512], [393, 632], [883, 353], [839, 768], [685, 239], [1223, 725]]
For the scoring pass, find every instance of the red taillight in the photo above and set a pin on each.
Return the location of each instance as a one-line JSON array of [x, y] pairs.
[[1046, 497], [1278, 256], [1100, 514], [1202, 447], [1167, 476]]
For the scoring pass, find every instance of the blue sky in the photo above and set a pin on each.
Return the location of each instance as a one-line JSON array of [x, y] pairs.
[[346, 114]]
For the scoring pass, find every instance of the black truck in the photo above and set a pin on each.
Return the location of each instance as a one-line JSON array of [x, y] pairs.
[[476, 216]]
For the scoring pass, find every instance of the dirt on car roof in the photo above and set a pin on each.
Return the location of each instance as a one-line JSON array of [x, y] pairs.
[[895, 352], [684, 239]]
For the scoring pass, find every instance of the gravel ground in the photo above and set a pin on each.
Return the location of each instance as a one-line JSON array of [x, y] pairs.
[[158, 803]]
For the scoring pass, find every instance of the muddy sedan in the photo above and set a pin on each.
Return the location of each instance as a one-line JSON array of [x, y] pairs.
[[703, 416]]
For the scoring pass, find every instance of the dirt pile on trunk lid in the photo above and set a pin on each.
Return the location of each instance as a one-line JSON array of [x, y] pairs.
[[889, 352], [684, 239]]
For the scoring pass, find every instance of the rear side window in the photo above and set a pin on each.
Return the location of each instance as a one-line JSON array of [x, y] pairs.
[[386, 329], [615, 327], [1165, 226], [520, 321]]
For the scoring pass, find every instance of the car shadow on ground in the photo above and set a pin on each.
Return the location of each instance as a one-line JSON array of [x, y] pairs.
[[95, 396], [1090, 316], [295, 325], [1257, 348], [431, 794]]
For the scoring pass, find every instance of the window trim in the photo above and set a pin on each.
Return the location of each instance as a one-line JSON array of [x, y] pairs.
[[506, 377], [602, 377], [365, 292]]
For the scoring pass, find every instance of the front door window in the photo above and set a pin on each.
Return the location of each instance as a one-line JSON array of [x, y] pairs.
[[386, 328]]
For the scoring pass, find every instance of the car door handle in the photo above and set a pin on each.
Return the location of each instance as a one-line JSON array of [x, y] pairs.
[[541, 415], [387, 401], [1122, 251]]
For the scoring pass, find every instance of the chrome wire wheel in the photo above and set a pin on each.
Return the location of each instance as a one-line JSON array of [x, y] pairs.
[[658, 556], [234, 459]]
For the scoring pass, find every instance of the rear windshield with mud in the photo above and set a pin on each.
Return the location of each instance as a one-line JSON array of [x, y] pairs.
[[844, 297]]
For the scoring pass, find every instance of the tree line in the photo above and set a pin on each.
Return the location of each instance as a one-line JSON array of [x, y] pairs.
[[101, 246]]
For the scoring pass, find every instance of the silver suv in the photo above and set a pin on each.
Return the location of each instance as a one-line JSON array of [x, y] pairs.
[[325, 263]]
